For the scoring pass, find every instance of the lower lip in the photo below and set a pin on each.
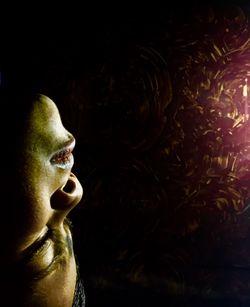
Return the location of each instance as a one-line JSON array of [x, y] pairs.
[[66, 165]]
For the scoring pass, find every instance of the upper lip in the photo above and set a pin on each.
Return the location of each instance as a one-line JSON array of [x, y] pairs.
[[71, 144], [69, 147]]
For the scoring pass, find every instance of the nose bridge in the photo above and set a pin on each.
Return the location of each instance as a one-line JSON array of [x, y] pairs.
[[67, 197]]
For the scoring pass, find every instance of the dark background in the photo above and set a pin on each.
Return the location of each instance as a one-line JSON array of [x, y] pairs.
[[161, 222]]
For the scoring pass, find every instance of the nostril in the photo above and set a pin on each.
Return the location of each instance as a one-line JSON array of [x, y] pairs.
[[69, 186], [66, 197]]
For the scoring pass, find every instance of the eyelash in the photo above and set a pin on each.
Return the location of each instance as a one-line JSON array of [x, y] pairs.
[[41, 247], [38, 247], [25, 266], [36, 251]]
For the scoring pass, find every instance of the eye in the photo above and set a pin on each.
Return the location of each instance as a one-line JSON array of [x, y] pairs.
[[45, 255], [42, 258], [39, 257]]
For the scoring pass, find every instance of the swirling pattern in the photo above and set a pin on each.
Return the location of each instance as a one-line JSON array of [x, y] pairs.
[[167, 202]]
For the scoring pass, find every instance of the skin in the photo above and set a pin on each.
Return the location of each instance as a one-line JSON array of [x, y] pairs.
[[46, 193]]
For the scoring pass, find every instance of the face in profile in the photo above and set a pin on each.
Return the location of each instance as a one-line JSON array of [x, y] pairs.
[[38, 265]]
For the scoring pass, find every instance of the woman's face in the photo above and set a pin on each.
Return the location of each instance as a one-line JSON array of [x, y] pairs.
[[40, 264]]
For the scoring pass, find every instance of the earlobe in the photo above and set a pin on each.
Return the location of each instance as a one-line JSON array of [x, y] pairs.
[[67, 196]]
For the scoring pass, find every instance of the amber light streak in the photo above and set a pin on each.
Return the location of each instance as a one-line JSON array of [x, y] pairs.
[[245, 100]]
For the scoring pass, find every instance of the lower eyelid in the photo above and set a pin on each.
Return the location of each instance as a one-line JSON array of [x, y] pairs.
[[48, 254]]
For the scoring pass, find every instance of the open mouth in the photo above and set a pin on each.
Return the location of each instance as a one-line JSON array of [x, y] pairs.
[[64, 158]]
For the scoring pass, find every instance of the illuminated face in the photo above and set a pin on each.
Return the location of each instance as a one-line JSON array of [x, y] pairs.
[[39, 264]]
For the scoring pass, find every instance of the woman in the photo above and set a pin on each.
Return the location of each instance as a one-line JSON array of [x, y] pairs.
[[38, 266]]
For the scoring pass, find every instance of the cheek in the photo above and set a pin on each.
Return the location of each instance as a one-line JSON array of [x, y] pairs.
[[32, 209], [24, 217], [37, 198]]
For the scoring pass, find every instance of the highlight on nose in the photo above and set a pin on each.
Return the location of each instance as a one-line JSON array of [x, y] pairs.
[[67, 196]]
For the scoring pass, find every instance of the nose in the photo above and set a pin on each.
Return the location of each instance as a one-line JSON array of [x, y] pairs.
[[68, 196]]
